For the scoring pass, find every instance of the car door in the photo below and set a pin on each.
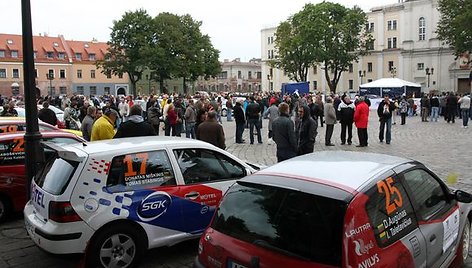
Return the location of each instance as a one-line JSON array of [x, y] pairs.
[[396, 237], [207, 174], [437, 213]]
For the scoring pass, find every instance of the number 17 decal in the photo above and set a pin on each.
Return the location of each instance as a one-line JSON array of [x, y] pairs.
[[391, 203]]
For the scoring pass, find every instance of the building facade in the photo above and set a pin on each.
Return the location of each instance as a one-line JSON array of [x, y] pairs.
[[406, 46], [62, 67], [235, 76]]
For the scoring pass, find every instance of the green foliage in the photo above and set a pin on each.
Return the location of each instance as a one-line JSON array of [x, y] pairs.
[[169, 45], [328, 34], [453, 27]]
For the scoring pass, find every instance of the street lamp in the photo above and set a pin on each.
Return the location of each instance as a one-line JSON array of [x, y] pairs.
[[393, 71], [50, 77], [428, 73], [361, 75]]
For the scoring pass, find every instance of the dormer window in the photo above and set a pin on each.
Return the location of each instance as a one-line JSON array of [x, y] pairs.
[[2, 53], [50, 55], [92, 57], [14, 53], [55, 44], [9, 41], [86, 45], [78, 56], [61, 55]]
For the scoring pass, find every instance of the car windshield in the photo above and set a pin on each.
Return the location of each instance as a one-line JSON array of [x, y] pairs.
[[55, 175], [283, 220]]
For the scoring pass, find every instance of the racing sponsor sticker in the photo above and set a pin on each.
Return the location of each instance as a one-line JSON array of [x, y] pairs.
[[154, 206], [361, 248], [451, 230], [357, 230]]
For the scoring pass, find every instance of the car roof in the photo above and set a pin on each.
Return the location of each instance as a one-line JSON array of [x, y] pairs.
[[137, 143], [45, 134], [341, 169]]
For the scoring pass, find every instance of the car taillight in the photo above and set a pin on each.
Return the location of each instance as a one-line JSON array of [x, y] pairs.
[[62, 212]]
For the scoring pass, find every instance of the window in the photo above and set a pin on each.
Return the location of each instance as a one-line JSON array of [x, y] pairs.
[[420, 66], [271, 86], [259, 75], [63, 90], [92, 74], [351, 68], [315, 85], [427, 194], [62, 74], [93, 90], [389, 203], [223, 75], [80, 90], [315, 69], [79, 73], [51, 73], [120, 76], [55, 175], [49, 55], [55, 44], [108, 75], [2, 53], [392, 25], [14, 53], [3, 73], [200, 165], [422, 29], [370, 45], [392, 42], [61, 55], [369, 80], [139, 171], [107, 90], [249, 75], [239, 74], [390, 65], [35, 73], [369, 67], [78, 56], [268, 40], [16, 73], [369, 27], [92, 57], [35, 54], [265, 215], [268, 54], [351, 84]]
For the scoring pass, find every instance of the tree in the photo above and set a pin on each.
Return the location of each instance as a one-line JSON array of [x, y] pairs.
[[130, 47], [328, 34], [453, 25]]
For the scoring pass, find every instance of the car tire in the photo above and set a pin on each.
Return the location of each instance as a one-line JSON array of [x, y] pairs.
[[5, 208], [115, 246], [463, 249]]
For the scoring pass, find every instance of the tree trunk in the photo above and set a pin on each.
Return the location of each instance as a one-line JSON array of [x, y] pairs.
[[185, 86], [162, 87]]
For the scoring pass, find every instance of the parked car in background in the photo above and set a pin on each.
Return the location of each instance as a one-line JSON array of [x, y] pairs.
[[381, 211], [114, 199], [12, 168], [18, 124]]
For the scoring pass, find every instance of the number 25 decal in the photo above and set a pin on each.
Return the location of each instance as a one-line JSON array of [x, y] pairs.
[[385, 186], [129, 164]]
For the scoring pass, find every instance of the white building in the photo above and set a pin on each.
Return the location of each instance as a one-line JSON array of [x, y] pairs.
[[406, 45]]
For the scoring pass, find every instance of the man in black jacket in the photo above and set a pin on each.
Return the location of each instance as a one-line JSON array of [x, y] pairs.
[[135, 126], [240, 121], [384, 111], [306, 131], [284, 134], [47, 115], [346, 117], [253, 113]]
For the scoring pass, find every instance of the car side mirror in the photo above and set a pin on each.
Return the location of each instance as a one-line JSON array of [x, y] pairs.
[[462, 196]]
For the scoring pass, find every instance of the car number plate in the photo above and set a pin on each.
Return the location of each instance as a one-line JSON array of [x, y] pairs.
[[232, 264]]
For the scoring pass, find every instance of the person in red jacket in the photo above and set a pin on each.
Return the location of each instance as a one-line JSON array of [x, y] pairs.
[[361, 118]]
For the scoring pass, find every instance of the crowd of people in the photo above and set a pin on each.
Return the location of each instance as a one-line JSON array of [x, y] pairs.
[[293, 120]]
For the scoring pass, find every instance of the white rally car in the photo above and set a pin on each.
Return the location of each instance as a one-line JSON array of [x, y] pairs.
[[114, 199]]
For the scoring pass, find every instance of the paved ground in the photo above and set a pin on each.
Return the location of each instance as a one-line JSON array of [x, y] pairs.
[[444, 148]]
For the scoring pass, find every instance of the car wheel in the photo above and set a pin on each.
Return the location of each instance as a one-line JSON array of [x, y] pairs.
[[4, 208], [116, 246], [223, 112]]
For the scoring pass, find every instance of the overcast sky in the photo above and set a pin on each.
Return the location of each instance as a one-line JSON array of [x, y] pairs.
[[234, 26]]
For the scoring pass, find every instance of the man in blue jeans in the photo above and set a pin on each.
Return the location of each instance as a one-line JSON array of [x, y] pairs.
[[253, 113], [464, 103], [384, 111]]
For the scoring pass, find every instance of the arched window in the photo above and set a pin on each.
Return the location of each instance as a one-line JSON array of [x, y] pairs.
[[422, 29]]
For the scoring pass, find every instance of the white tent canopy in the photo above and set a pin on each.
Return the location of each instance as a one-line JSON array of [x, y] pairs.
[[389, 83]]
